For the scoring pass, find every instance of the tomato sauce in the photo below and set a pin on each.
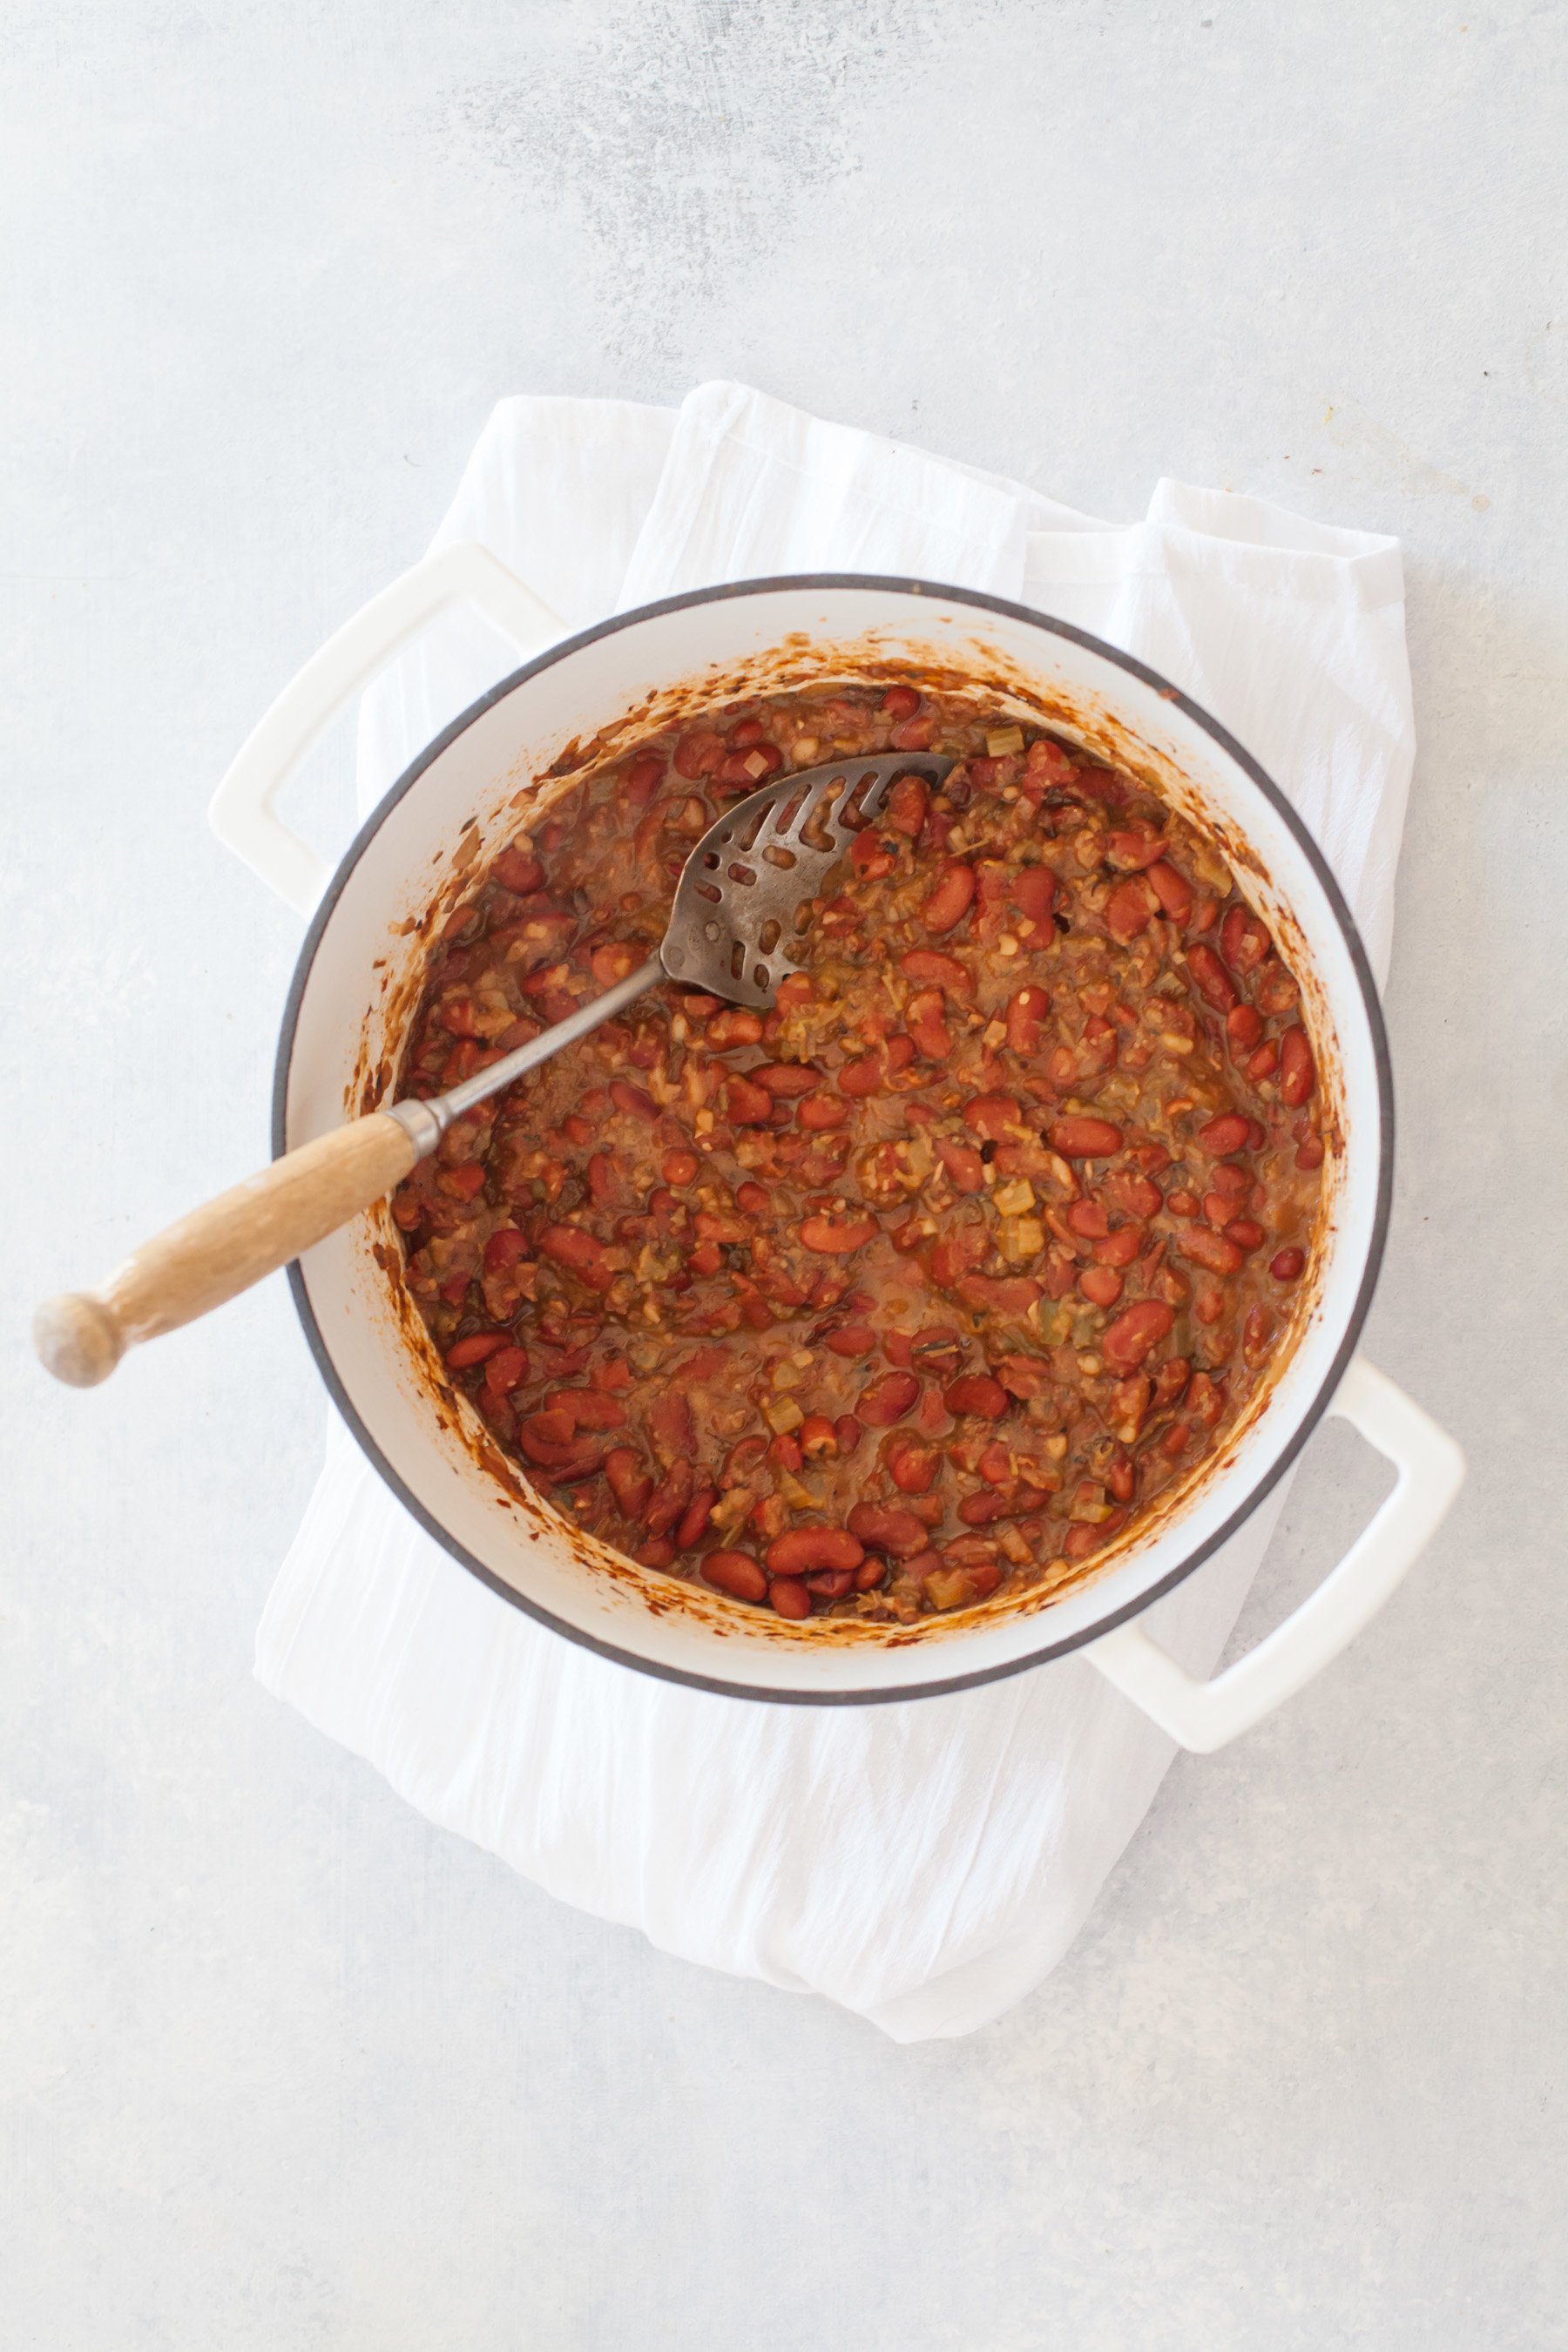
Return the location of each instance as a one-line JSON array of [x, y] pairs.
[[919, 1288]]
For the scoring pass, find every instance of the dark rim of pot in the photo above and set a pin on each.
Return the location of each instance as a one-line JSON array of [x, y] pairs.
[[816, 582]]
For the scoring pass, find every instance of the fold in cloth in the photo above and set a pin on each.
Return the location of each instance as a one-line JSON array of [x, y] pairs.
[[924, 1863]]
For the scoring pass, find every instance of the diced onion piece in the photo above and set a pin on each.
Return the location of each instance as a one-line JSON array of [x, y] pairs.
[[1014, 1199], [1003, 739], [756, 765], [782, 1415]]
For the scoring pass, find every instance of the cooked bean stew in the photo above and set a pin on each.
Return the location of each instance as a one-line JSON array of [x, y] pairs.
[[920, 1287]]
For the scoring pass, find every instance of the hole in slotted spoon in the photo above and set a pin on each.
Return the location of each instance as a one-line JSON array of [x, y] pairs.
[[745, 874], [814, 831], [706, 890], [770, 937], [852, 815]]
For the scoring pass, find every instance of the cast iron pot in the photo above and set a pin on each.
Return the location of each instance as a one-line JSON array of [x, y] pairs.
[[469, 790]]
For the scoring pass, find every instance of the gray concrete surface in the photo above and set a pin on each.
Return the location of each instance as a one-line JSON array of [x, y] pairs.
[[281, 2065]]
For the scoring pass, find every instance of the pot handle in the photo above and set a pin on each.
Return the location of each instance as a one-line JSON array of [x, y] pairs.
[[1204, 1715], [242, 814]]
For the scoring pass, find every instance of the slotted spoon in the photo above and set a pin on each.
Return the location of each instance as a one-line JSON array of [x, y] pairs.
[[740, 921]]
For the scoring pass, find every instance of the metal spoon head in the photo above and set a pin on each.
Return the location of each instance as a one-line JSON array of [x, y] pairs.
[[746, 898]]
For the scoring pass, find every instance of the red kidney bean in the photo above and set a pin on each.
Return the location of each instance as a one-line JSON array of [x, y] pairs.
[[872, 857], [1246, 1233], [752, 1198], [899, 702], [800, 1549], [886, 1400], [847, 1429], [1101, 1286], [1298, 1070], [519, 870], [1211, 978], [1135, 852], [1033, 890], [1119, 1248], [1244, 942], [504, 1248], [629, 1483], [915, 734], [1242, 1027], [1136, 1330], [473, 1350], [736, 1573], [642, 778], [904, 809], [670, 1423], [965, 1167], [1132, 1193], [1208, 1249], [883, 1527], [863, 1076], [678, 1167], [1257, 1332], [694, 1519], [1082, 1137], [976, 1393], [546, 1436], [1173, 889], [1127, 910], [1228, 1132], [507, 1369], [951, 900], [699, 754], [1288, 1264], [1025, 1016], [1310, 1153], [670, 1497], [568, 1245], [790, 1597], [633, 1101], [1088, 1218], [784, 1080], [992, 1116], [850, 1339], [930, 1032], [747, 1105], [736, 1026], [616, 961], [836, 1236], [656, 1551], [832, 1583], [928, 967], [912, 1467], [820, 1113]]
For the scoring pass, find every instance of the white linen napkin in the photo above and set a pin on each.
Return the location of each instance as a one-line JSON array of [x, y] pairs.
[[924, 1863]]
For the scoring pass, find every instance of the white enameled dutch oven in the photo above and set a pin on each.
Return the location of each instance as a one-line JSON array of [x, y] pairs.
[[581, 697]]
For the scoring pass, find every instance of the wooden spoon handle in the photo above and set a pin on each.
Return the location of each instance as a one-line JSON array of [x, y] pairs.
[[221, 1248]]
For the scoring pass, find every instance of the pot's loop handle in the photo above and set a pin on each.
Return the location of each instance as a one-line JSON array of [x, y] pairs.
[[1206, 1716], [242, 813]]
